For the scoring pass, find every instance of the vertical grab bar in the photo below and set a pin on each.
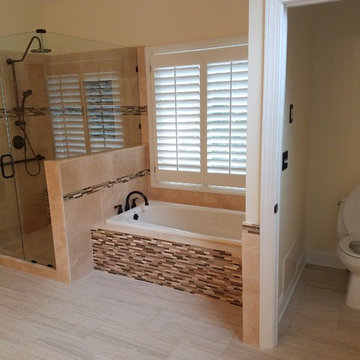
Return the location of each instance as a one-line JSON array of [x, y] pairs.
[[2, 164]]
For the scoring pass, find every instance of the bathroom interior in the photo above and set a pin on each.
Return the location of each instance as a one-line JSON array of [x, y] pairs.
[[75, 146], [321, 136]]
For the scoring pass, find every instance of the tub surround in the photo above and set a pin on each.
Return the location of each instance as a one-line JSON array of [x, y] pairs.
[[195, 269]]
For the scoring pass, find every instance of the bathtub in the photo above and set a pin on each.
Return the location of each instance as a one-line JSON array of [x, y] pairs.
[[185, 221], [189, 248]]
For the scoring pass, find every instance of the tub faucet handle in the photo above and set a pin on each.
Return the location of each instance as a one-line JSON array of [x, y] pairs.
[[133, 204], [119, 207]]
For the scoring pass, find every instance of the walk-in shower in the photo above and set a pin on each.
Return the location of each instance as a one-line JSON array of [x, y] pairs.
[[24, 141], [60, 96]]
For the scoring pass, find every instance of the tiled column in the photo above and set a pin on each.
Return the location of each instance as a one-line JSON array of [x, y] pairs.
[[251, 283]]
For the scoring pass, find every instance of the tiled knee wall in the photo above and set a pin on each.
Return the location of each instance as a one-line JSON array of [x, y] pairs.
[[198, 270]]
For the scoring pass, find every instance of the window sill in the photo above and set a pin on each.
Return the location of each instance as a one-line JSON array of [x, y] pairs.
[[200, 188]]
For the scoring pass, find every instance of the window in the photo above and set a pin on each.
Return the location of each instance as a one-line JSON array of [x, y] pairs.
[[67, 115], [102, 97], [199, 116], [86, 113]]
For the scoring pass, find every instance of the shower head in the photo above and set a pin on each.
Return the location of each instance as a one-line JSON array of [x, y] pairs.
[[40, 50], [27, 93]]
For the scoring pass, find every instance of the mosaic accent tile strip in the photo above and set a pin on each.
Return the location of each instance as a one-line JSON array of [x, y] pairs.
[[29, 111], [41, 111], [116, 110], [108, 184], [214, 273]]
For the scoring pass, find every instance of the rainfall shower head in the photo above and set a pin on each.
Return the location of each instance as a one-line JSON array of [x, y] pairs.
[[39, 50]]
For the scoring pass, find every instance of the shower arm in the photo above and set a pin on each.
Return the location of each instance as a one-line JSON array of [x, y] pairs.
[[11, 61]]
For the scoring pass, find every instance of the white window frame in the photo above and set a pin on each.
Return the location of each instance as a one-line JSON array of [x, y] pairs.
[[178, 47]]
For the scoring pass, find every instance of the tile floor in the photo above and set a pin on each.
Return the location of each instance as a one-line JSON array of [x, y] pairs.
[[108, 317]]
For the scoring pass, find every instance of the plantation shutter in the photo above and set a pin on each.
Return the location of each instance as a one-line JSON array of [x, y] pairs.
[[200, 116], [227, 92], [66, 115], [103, 109], [177, 120]]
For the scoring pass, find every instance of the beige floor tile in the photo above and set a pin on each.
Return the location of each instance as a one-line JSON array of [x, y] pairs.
[[109, 317], [192, 331], [186, 352]]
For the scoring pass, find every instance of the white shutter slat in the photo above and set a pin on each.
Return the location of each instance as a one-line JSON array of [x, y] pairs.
[[66, 115], [226, 121], [105, 125], [200, 105], [177, 113]]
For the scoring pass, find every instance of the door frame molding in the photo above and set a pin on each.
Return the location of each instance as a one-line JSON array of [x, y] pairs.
[[275, 47]]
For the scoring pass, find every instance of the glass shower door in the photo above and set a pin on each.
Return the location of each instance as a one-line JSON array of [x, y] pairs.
[[10, 226]]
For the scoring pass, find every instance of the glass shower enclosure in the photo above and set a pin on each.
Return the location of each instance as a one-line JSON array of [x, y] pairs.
[[59, 97]]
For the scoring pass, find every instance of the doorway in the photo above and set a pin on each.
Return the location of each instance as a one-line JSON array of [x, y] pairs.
[[274, 90]]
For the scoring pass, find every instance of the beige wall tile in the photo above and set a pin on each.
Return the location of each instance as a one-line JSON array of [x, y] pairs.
[[58, 221], [96, 169], [223, 201], [70, 176], [251, 311], [129, 161], [251, 287], [81, 213], [113, 196], [251, 255], [80, 254]]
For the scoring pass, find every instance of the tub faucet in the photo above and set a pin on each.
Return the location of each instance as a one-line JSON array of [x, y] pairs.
[[127, 202]]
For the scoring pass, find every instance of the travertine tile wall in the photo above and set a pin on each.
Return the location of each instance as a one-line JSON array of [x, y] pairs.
[[198, 270], [224, 201], [251, 284], [78, 214]]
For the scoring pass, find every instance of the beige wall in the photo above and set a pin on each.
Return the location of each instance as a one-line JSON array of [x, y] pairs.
[[334, 164], [144, 22], [323, 78], [295, 140], [19, 16]]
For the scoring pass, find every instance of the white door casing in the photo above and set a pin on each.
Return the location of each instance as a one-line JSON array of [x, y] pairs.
[[275, 44]]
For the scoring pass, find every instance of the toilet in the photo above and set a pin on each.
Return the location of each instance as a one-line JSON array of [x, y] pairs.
[[348, 249]]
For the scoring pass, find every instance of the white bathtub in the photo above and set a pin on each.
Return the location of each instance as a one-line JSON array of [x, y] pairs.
[[169, 221]]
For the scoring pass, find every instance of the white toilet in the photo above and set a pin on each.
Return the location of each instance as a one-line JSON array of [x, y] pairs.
[[348, 248]]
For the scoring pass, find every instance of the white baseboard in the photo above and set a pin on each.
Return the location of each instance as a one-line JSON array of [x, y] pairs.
[[323, 258], [286, 296]]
